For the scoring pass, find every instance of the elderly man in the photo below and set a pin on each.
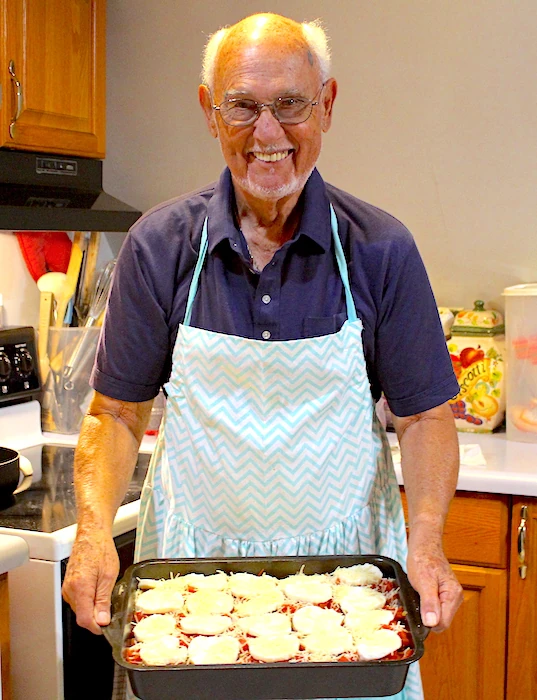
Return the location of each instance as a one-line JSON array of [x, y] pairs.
[[275, 309]]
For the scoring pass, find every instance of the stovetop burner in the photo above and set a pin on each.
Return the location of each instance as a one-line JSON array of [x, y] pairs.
[[49, 503]]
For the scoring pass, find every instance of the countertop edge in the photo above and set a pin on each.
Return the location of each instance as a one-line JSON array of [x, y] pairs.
[[14, 552], [56, 546]]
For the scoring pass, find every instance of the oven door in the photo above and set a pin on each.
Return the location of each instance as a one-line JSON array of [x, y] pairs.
[[88, 666]]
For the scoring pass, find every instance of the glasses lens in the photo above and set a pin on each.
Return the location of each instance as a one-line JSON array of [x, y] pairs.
[[292, 110], [236, 112]]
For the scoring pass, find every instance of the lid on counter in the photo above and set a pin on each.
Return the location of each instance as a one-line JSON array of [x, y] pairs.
[[521, 290], [479, 321]]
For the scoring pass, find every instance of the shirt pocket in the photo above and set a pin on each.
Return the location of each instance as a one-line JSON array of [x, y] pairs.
[[315, 326]]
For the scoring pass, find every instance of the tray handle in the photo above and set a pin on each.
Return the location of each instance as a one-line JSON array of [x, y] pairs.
[[413, 608], [114, 631]]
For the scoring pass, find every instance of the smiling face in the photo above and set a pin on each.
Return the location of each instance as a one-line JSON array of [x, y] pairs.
[[269, 160]]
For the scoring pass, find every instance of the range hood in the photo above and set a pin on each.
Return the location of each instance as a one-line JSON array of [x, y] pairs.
[[44, 192]]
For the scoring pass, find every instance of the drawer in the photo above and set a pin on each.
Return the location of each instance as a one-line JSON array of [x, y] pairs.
[[477, 529]]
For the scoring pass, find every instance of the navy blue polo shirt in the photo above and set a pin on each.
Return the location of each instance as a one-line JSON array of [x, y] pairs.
[[298, 295]]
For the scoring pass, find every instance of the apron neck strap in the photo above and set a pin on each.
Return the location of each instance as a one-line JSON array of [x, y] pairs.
[[197, 271], [342, 266], [340, 259]]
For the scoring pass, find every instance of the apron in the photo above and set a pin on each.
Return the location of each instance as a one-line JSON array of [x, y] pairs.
[[271, 449]]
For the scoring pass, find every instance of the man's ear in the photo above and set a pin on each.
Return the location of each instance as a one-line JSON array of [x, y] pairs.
[[328, 97], [206, 103]]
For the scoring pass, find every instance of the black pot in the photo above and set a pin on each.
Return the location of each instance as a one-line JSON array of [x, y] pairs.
[[9, 475]]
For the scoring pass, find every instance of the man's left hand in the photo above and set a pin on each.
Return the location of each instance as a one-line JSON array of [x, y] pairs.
[[431, 575]]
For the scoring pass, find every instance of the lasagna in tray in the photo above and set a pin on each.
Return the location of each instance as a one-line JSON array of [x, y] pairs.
[[351, 614]]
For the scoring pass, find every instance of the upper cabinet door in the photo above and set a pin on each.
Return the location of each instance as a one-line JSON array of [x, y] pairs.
[[53, 76]]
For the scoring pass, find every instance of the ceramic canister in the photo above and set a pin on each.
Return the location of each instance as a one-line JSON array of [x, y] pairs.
[[477, 350]]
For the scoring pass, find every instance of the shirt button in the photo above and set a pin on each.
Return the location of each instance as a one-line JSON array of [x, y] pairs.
[[265, 298], [265, 335]]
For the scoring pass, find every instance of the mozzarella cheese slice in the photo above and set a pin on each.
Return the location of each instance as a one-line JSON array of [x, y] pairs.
[[145, 584], [201, 582], [327, 643], [271, 648], [245, 585], [260, 604], [314, 592], [305, 578], [154, 626], [205, 624], [378, 644], [209, 602], [159, 601], [359, 575], [360, 598], [214, 650], [172, 584], [312, 619], [163, 651], [362, 622], [269, 623]]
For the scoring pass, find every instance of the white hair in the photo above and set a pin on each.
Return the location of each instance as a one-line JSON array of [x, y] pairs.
[[314, 36]]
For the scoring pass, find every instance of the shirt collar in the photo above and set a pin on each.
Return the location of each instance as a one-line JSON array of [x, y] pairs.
[[314, 223]]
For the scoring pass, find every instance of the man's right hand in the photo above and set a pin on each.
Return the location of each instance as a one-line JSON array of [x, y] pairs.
[[91, 574]]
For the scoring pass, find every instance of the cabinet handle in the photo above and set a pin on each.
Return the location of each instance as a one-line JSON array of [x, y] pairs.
[[18, 94], [521, 542]]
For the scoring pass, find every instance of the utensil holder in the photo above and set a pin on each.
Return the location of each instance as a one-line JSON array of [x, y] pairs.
[[67, 391]]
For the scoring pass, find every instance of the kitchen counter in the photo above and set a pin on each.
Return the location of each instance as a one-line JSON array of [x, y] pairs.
[[13, 553], [511, 467]]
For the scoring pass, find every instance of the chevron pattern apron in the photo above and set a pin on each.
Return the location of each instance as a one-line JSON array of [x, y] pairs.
[[271, 449]]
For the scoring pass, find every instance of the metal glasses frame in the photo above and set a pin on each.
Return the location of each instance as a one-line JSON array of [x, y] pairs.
[[270, 105]]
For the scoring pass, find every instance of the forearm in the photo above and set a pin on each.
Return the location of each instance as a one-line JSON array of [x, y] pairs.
[[430, 465], [105, 459]]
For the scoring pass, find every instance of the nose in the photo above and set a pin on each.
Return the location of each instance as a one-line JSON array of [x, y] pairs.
[[266, 123]]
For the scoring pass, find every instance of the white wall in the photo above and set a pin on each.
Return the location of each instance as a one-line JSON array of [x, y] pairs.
[[436, 120]]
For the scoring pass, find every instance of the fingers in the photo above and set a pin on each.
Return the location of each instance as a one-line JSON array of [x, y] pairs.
[[89, 580], [440, 593], [441, 596]]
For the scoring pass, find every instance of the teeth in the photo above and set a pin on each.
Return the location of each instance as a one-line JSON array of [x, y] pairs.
[[271, 157]]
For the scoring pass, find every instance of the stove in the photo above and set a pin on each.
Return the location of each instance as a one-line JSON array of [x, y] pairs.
[[48, 504], [44, 515], [19, 378], [44, 512]]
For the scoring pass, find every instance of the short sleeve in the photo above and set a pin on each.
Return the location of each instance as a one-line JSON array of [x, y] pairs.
[[412, 361], [134, 346]]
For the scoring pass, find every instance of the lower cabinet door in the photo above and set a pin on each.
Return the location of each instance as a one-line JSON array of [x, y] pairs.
[[467, 661], [522, 654]]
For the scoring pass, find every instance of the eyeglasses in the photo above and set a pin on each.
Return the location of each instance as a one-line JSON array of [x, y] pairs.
[[241, 111]]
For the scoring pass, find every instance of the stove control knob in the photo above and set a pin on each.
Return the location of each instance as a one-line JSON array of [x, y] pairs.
[[23, 362], [5, 367]]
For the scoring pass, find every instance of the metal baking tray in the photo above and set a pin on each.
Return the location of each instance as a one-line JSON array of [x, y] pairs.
[[262, 681]]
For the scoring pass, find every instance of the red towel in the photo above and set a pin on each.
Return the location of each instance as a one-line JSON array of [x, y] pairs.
[[45, 251]]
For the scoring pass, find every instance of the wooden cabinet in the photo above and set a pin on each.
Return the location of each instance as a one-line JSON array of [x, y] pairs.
[[490, 650], [522, 641], [468, 661], [52, 64]]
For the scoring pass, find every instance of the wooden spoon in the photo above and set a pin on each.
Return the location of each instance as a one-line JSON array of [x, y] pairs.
[[69, 287]]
